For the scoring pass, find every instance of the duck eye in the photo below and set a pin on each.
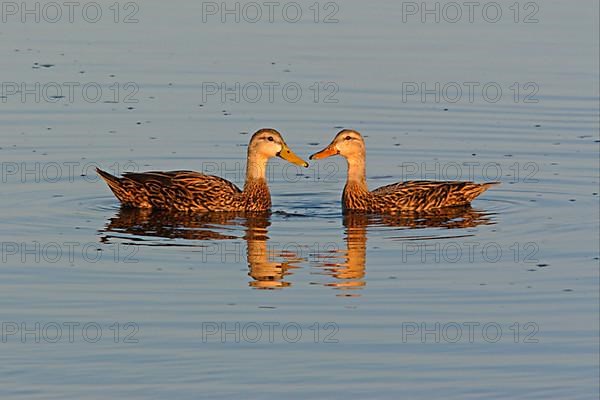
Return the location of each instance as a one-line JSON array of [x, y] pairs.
[[348, 138], [270, 138]]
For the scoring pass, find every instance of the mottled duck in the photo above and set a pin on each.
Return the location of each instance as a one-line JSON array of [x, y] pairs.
[[196, 192], [409, 196]]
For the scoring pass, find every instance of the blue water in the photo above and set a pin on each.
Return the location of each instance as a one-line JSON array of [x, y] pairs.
[[497, 301]]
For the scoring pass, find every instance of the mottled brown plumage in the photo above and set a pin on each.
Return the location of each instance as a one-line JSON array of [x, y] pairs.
[[196, 192], [413, 196]]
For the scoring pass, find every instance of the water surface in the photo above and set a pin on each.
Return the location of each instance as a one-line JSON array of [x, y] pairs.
[[372, 304]]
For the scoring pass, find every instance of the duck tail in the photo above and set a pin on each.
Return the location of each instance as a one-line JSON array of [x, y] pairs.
[[113, 183], [475, 189], [111, 180], [488, 185]]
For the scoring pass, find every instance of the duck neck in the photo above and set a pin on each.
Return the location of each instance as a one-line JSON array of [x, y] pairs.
[[256, 170], [356, 173]]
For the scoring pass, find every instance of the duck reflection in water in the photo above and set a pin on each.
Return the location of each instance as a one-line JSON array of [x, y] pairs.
[[268, 268], [145, 224], [347, 266]]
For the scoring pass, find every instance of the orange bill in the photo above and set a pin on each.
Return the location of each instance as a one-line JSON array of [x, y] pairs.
[[326, 152]]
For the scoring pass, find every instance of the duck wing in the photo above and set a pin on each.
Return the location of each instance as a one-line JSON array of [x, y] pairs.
[[180, 190], [423, 195]]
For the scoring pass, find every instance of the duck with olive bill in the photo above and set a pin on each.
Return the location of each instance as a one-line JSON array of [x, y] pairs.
[[196, 192]]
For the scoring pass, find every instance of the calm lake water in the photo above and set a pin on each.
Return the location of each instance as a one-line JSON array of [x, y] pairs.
[[500, 300]]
